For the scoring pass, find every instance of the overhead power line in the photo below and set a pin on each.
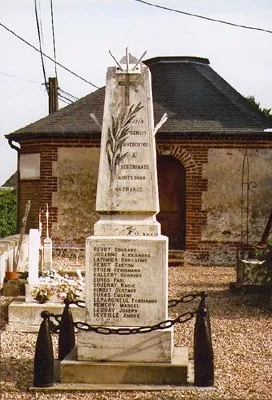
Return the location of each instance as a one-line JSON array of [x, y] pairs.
[[69, 94], [53, 34], [73, 98], [63, 96], [38, 23], [45, 55], [19, 77], [205, 18], [64, 99]]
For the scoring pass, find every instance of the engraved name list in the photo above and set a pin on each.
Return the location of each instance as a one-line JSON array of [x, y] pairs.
[[121, 277]]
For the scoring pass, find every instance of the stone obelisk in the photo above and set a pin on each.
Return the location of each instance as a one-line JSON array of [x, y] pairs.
[[127, 257]]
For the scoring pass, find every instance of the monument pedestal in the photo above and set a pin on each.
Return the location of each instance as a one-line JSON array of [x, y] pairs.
[[152, 347], [126, 280], [126, 286], [127, 225], [124, 374]]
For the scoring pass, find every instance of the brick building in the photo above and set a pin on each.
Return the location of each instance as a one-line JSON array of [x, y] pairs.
[[200, 152]]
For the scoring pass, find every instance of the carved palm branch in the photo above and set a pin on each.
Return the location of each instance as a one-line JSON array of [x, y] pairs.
[[118, 132]]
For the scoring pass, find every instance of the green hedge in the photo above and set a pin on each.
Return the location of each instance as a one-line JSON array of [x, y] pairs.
[[8, 201]]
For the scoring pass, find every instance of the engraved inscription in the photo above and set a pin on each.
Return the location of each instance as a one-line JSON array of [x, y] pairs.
[[118, 133], [127, 165], [117, 278]]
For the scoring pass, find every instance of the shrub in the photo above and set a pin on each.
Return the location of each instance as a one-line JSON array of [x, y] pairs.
[[8, 201]]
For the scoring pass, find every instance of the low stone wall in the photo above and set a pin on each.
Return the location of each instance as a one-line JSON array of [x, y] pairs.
[[8, 249], [212, 254], [26, 317]]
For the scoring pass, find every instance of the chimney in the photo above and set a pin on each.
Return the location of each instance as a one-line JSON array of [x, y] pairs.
[[53, 95]]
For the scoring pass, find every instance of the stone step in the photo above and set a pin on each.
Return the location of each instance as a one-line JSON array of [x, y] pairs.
[[175, 258], [125, 373]]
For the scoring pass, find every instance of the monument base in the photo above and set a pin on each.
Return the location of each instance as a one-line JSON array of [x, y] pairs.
[[124, 373], [152, 347]]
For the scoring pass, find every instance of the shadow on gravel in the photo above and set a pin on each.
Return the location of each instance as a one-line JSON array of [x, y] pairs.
[[229, 305], [12, 372], [224, 304]]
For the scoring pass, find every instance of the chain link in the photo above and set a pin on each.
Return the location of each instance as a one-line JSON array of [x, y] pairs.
[[104, 330], [54, 328], [79, 303], [185, 299], [171, 303]]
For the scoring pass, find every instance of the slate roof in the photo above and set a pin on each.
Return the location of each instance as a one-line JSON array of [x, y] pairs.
[[11, 183], [195, 97]]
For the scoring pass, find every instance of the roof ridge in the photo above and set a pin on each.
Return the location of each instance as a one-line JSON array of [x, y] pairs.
[[176, 60]]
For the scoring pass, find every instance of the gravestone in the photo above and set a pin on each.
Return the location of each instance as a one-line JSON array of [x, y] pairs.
[[33, 254], [47, 254], [47, 245], [126, 259], [34, 242]]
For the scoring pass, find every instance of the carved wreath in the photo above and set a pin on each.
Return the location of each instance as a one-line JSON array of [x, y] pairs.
[[118, 132]]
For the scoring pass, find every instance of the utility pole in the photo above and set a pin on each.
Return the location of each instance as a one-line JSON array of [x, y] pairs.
[[53, 95]]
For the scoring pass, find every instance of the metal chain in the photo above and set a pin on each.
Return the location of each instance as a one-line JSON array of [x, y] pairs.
[[55, 328], [171, 303], [104, 330], [185, 299], [79, 303]]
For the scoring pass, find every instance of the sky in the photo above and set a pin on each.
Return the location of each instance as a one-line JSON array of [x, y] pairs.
[[85, 31]]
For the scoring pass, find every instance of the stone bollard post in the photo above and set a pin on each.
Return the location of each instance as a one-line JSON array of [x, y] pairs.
[[67, 332], [203, 351], [44, 356]]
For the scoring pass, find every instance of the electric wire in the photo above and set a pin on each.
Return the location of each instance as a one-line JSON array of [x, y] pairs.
[[54, 37], [40, 21], [203, 17], [42, 40], [66, 98], [69, 94], [64, 101], [40, 44], [19, 77], [39, 83], [45, 55]]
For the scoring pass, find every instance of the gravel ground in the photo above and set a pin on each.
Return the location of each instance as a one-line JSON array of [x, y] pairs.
[[241, 333]]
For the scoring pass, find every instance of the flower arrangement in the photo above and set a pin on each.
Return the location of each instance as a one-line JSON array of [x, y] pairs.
[[66, 290], [58, 287], [42, 293]]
